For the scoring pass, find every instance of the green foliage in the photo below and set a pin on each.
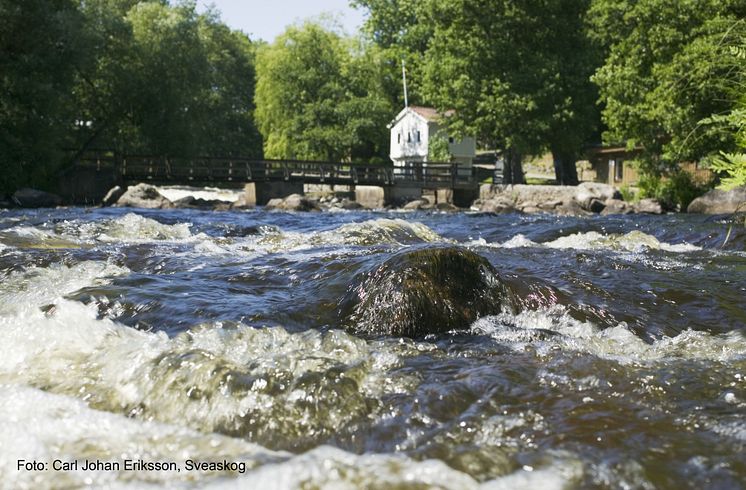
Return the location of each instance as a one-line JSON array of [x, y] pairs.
[[437, 148], [517, 73], [628, 195], [733, 165], [319, 97], [169, 82], [140, 76], [674, 192], [401, 31], [38, 52], [664, 71]]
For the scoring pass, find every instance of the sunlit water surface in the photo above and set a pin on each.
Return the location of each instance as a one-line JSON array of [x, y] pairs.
[[181, 334]]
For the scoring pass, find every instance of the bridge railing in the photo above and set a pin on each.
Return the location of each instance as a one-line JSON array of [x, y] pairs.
[[238, 169]]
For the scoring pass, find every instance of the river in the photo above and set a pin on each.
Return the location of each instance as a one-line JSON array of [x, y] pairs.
[[176, 335]]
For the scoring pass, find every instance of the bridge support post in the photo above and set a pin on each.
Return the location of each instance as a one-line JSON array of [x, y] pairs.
[[370, 196], [399, 194], [260, 193], [463, 198]]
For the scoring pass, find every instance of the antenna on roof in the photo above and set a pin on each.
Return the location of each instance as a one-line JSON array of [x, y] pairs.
[[404, 81]]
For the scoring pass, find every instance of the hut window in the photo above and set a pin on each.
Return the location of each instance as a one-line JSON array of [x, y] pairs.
[[450, 139], [418, 137], [409, 137], [619, 170], [398, 137]]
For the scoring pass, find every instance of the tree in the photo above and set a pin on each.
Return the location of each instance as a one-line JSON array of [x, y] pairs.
[[437, 148], [733, 165], [319, 97], [165, 80], [571, 108], [662, 75], [228, 98], [38, 50], [401, 31]]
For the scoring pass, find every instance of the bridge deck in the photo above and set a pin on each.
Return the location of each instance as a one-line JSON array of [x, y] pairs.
[[236, 171]]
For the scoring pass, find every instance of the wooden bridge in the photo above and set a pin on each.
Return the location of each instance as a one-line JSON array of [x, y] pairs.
[[95, 172], [237, 171]]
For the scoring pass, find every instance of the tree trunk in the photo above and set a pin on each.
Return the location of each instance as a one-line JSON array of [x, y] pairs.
[[513, 167], [564, 168]]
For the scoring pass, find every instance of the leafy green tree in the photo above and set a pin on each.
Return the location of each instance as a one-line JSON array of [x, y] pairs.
[[227, 100], [38, 50], [165, 80], [104, 92], [663, 71], [437, 148], [402, 32], [570, 106], [732, 166], [319, 96], [516, 73]]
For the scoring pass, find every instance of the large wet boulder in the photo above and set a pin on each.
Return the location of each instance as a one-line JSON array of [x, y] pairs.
[[718, 201], [424, 291], [143, 196], [34, 198]]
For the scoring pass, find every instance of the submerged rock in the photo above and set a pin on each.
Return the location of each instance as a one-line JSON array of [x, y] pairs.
[[34, 198], [143, 196], [191, 202], [718, 201], [424, 291]]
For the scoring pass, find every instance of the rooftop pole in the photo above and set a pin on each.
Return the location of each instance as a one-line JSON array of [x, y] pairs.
[[404, 81]]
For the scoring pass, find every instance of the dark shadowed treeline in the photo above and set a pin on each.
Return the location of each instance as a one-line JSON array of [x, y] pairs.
[[135, 76]]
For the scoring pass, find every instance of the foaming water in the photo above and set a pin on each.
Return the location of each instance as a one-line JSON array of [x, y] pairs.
[[174, 335], [634, 241], [553, 328]]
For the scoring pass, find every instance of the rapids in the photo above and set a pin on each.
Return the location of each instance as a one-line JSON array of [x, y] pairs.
[[174, 335]]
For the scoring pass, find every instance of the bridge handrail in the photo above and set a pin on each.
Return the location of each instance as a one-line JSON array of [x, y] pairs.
[[237, 168]]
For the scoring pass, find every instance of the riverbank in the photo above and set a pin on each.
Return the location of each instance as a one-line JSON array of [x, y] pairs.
[[588, 198], [584, 199]]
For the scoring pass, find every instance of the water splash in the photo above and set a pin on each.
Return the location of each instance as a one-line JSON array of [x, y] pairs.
[[552, 328]]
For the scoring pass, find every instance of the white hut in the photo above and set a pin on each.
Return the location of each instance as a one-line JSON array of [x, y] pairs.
[[414, 127]]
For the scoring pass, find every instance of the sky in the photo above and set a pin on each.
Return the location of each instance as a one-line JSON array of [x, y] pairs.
[[266, 19]]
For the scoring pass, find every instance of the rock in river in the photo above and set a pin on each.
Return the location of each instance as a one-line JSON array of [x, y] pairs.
[[294, 202], [143, 196], [719, 202], [424, 291], [33, 198]]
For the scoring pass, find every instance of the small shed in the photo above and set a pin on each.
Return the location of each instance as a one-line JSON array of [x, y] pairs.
[[412, 130], [612, 164]]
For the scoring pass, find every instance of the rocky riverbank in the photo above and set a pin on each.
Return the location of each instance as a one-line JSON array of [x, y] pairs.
[[587, 198]]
